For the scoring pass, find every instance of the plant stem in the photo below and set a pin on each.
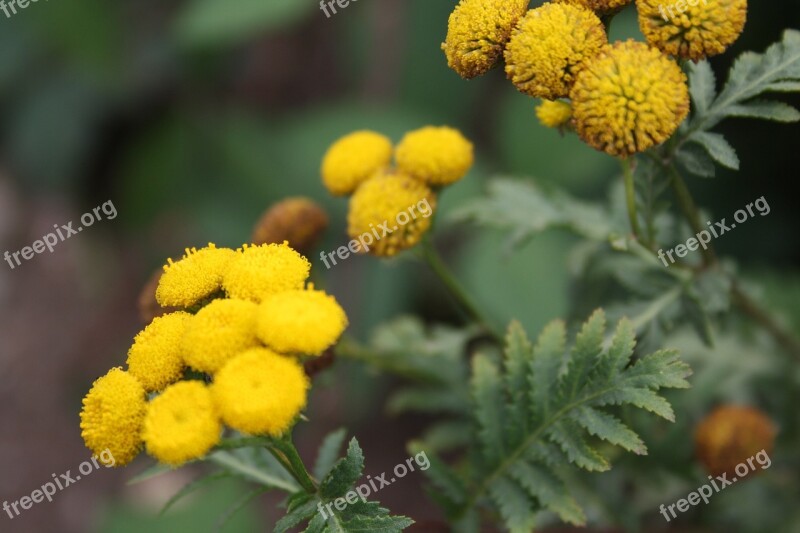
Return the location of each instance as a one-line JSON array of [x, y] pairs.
[[630, 197], [440, 269], [284, 451], [690, 211]]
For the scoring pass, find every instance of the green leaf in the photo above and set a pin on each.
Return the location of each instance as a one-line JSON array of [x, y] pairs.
[[545, 366], [444, 479], [344, 473], [487, 391], [300, 513], [514, 503], [702, 85], [518, 356], [696, 160], [378, 524], [767, 110], [643, 398], [329, 452], [586, 352], [550, 491], [718, 148], [190, 488], [568, 437], [609, 428], [149, 473]]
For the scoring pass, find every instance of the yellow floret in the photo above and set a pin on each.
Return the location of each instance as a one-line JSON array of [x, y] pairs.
[[630, 98], [112, 414], [258, 271], [704, 28], [477, 31], [599, 6], [300, 322], [217, 332], [196, 276], [260, 392], [436, 155], [553, 113], [382, 208], [181, 424], [155, 358], [550, 46], [354, 158]]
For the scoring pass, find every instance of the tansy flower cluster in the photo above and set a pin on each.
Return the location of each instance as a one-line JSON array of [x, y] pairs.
[[621, 98], [230, 355], [361, 164]]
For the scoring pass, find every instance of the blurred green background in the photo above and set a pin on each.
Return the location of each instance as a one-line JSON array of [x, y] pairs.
[[192, 117]]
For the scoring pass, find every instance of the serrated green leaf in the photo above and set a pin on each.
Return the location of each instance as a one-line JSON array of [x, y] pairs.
[[379, 524], [642, 398], [301, 512], [515, 505], [586, 352], [444, 479], [568, 437], [765, 109], [702, 85], [718, 148], [518, 356], [487, 392], [609, 428], [659, 369], [546, 364], [329, 452], [550, 491], [695, 160], [344, 473], [318, 524]]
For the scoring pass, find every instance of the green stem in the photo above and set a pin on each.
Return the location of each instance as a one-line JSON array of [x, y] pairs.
[[284, 451], [690, 210], [630, 197], [440, 269]]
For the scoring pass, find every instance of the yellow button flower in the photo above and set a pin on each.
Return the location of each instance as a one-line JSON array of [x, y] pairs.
[[300, 322], [550, 46], [258, 271], [599, 6], [354, 158], [630, 98], [382, 208], [477, 31], [217, 332], [553, 113], [155, 358], [730, 435], [181, 424], [260, 392], [701, 29], [196, 276], [436, 155], [112, 416]]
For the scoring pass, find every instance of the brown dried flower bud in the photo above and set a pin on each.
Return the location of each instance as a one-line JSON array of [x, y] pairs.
[[298, 220]]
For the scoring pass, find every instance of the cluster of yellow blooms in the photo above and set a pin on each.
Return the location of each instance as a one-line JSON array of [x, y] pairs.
[[246, 319], [625, 97], [425, 160]]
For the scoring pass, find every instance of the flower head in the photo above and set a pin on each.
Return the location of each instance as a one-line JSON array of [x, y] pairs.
[[217, 332], [181, 424], [628, 99], [381, 206], [550, 45], [196, 276], [354, 158], [730, 435], [704, 28], [112, 416], [435, 155], [598, 6], [477, 31], [553, 113], [260, 392], [155, 358], [299, 221], [258, 271], [302, 322]]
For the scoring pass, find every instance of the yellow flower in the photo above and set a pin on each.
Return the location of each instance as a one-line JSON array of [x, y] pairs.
[[438, 156], [302, 322], [550, 46], [599, 6], [217, 332], [181, 424], [704, 28], [553, 113], [112, 416], [477, 31], [299, 221], [354, 158], [258, 271], [260, 392], [394, 208], [196, 276], [630, 98], [155, 358], [730, 435]]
